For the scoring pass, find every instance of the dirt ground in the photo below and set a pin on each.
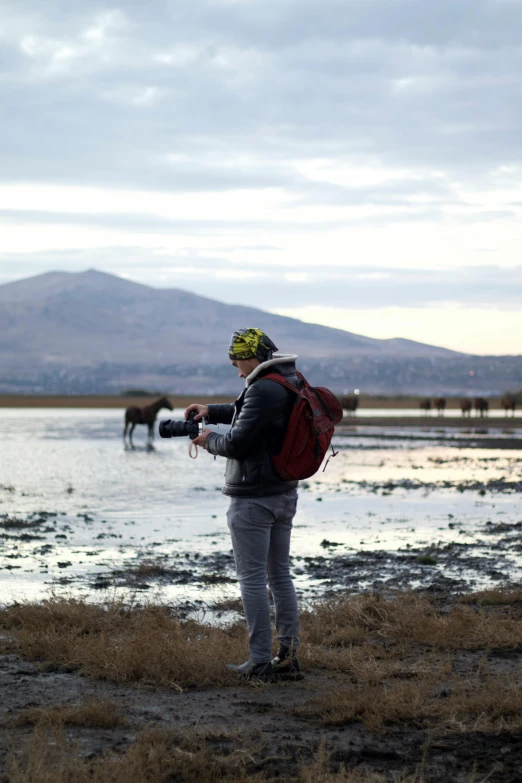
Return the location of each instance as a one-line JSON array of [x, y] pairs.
[[276, 726], [258, 715]]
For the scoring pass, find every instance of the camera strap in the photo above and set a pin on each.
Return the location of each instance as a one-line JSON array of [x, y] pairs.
[[194, 454]]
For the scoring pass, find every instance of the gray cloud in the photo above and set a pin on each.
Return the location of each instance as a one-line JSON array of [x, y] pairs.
[[214, 95], [150, 224], [275, 287], [105, 95]]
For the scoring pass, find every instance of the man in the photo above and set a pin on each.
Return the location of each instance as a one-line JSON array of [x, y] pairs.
[[262, 505]]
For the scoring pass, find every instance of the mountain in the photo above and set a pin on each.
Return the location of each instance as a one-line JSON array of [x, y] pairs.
[[96, 332], [88, 317]]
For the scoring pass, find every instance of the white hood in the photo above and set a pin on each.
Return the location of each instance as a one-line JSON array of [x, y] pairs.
[[279, 358]]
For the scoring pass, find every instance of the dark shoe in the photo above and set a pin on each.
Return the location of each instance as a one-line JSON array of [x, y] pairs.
[[285, 665], [253, 671]]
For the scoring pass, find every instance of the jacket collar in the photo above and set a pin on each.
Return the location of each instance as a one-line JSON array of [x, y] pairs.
[[279, 358]]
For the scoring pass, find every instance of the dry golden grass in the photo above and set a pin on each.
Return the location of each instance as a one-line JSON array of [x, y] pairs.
[[92, 713], [407, 619], [497, 597], [373, 664], [319, 772], [121, 644], [100, 400], [401, 654], [489, 704], [157, 757], [195, 757], [368, 636], [399, 659], [147, 568], [178, 400]]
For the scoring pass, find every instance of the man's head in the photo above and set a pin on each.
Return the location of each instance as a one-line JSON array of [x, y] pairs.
[[248, 348]]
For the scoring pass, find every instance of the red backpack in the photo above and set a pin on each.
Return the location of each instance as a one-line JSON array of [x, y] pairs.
[[310, 428]]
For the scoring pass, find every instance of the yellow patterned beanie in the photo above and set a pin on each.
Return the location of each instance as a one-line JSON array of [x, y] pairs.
[[251, 344]]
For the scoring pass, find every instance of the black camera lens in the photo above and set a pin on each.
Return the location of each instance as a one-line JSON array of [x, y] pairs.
[[172, 429], [178, 429]]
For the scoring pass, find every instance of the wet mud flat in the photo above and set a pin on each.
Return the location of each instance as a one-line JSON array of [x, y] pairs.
[[84, 554], [451, 432], [439, 424], [434, 568], [120, 612], [396, 506], [451, 706], [397, 687], [492, 555]]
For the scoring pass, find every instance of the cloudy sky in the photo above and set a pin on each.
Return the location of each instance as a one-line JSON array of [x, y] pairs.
[[357, 163]]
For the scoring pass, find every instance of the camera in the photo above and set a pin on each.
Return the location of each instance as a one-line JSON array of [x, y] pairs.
[[177, 429]]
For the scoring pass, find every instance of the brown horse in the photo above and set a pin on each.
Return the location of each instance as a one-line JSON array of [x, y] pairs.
[[465, 407], [481, 406], [509, 403], [146, 415], [350, 404], [440, 404], [425, 405]]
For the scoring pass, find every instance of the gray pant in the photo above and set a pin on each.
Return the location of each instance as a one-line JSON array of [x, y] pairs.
[[260, 528]]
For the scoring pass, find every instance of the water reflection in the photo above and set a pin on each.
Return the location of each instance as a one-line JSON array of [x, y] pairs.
[[108, 506]]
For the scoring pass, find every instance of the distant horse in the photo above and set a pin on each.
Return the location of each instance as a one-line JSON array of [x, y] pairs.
[[465, 407], [509, 403], [146, 415], [440, 404], [350, 404], [425, 405], [481, 406]]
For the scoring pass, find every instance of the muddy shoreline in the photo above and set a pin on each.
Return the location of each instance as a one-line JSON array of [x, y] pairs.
[[91, 533], [454, 564], [270, 723], [433, 423], [279, 725], [181, 400], [263, 718]]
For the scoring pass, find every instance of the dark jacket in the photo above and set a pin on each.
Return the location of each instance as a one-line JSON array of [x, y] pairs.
[[259, 419]]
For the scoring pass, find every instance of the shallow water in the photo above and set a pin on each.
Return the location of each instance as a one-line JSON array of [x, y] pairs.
[[452, 413], [115, 505]]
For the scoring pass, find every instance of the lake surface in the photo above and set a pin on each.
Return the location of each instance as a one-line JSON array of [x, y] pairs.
[[452, 413], [107, 507]]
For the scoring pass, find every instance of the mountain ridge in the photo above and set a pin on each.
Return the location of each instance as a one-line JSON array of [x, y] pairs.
[[92, 332], [93, 304]]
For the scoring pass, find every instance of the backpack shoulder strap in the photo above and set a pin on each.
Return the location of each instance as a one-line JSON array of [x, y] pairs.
[[281, 380]]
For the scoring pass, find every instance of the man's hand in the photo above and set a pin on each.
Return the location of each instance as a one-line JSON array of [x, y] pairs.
[[202, 412], [202, 439]]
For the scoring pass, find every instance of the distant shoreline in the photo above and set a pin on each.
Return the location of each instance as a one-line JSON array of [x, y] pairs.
[[182, 400], [474, 425], [100, 401]]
